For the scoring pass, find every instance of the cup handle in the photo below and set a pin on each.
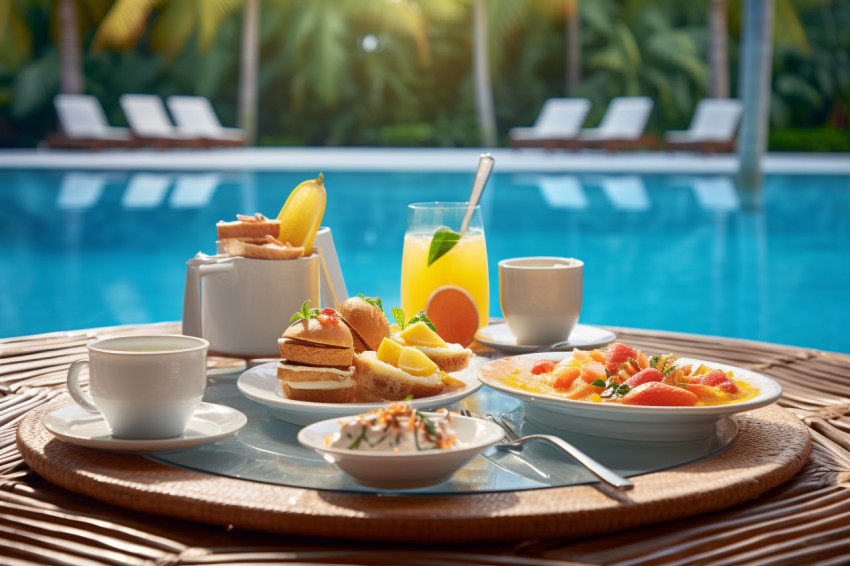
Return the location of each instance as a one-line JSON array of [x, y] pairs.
[[196, 268], [82, 398]]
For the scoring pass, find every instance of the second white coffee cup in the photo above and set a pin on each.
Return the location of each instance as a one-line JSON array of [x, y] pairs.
[[540, 297], [144, 386]]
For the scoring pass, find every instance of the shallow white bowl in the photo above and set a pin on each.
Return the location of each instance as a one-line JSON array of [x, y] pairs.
[[634, 422], [405, 470]]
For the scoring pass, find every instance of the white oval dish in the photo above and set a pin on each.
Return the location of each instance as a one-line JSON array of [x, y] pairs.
[[633, 422], [260, 384], [404, 470]]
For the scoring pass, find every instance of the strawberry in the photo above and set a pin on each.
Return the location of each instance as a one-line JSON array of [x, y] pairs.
[[717, 378], [545, 366], [328, 316], [656, 394], [617, 354], [644, 376]]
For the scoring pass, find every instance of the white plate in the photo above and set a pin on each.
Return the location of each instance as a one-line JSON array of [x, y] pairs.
[[499, 336], [260, 384], [405, 470], [633, 422], [75, 425]]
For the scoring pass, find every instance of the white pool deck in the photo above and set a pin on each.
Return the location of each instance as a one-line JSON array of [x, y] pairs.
[[415, 159]]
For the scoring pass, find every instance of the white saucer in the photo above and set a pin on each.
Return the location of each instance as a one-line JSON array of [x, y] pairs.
[[499, 336], [260, 384], [75, 425]]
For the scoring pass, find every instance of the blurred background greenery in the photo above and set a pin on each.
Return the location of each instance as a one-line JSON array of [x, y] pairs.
[[401, 72]]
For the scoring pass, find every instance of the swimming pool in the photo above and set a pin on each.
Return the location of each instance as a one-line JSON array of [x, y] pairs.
[[683, 253]]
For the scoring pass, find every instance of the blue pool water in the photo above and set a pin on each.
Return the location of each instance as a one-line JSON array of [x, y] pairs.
[[681, 253]]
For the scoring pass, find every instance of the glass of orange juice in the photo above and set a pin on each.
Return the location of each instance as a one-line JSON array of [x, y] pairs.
[[443, 272]]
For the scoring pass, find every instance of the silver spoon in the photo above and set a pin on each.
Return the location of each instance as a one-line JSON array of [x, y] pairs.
[[557, 346], [485, 166]]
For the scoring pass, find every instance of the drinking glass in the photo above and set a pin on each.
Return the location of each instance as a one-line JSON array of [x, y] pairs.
[[463, 267]]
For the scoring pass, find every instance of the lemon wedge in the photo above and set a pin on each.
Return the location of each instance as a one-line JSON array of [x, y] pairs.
[[420, 335], [302, 214], [389, 352], [415, 362]]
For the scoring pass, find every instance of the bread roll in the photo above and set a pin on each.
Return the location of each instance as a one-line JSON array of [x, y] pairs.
[[316, 360], [367, 323]]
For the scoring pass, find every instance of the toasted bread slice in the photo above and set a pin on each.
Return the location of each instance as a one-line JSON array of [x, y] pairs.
[[316, 384], [268, 250], [390, 383], [452, 358], [248, 227]]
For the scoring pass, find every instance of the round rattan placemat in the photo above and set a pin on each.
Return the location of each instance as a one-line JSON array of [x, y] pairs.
[[771, 446]]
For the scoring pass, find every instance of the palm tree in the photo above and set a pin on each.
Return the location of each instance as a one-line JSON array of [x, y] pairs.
[[756, 59], [70, 50], [249, 65], [573, 47], [718, 86], [483, 82], [639, 47]]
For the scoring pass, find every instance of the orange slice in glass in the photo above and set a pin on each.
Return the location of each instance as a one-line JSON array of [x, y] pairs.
[[455, 314]]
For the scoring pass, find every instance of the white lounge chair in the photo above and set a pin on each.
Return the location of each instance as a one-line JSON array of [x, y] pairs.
[[560, 119], [83, 124], [622, 126], [713, 127], [194, 115], [150, 123]]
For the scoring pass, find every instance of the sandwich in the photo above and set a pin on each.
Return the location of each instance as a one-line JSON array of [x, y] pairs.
[[367, 322], [255, 237], [395, 372], [316, 359], [449, 357]]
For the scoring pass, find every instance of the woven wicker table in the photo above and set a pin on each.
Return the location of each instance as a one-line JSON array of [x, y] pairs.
[[804, 520]]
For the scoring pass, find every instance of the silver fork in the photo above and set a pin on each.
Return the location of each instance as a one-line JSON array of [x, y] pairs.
[[514, 441]]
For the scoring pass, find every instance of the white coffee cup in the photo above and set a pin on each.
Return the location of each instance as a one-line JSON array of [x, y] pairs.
[[540, 297], [144, 386], [242, 305]]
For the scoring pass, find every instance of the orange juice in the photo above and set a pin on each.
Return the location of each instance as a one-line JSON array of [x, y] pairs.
[[464, 266]]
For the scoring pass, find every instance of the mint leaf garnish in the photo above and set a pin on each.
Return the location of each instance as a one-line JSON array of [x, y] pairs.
[[422, 317], [444, 239], [306, 313], [374, 301], [399, 317]]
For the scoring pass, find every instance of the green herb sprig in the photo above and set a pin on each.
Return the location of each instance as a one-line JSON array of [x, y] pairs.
[[306, 313], [444, 239], [613, 389], [374, 301], [399, 317]]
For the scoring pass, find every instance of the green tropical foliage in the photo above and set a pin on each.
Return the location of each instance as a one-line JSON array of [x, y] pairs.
[[380, 72]]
